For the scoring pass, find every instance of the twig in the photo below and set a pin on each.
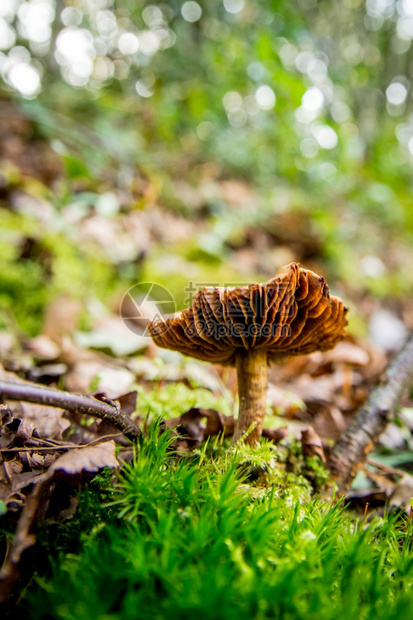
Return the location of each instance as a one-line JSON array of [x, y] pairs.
[[366, 507], [352, 449], [23, 538], [75, 403], [35, 449], [386, 468], [63, 446]]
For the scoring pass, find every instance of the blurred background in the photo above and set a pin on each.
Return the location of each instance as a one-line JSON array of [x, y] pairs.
[[192, 143], [204, 142]]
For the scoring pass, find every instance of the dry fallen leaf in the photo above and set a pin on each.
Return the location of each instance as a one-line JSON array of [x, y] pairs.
[[113, 335], [127, 402], [61, 317], [329, 422], [284, 402], [347, 353], [111, 379], [193, 431], [312, 444], [48, 421], [276, 434], [403, 493], [43, 348], [91, 458]]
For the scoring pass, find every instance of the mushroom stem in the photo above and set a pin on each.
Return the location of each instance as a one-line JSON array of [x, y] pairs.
[[252, 374]]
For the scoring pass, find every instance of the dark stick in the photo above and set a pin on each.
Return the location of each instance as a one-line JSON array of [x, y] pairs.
[[352, 449], [88, 405], [23, 539]]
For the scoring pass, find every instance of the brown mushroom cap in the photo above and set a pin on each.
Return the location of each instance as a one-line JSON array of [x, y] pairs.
[[292, 314]]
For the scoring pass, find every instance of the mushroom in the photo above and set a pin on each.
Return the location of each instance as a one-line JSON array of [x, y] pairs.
[[249, 326]]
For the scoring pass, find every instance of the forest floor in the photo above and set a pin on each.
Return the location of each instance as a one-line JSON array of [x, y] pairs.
[[94, 527]]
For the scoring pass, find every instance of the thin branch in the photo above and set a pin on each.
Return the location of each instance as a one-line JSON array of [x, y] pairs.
[[75, 403], [34, 449], [361, 436], [386, 468], [23, 538], [63, 446]]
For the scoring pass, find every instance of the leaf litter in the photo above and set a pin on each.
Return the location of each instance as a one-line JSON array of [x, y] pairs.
[[311, 399]]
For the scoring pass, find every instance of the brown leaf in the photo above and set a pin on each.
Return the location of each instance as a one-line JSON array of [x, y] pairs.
[[43, 348], [24, 431], [21, 471], [91, 458], [21, 481], [373, 499], [48, 421], [7, 344], [403, 493], [284, 402], [127, 402], [8, 471], [35, 460], [312, 444], [5, 375], [382, 481], [11, 468], [8, 427], [113, 336], [347, 353], [48, 373], [276, 434], [61, 317], [112, 379], [329, 422], [316, 389], [6, 415], [218, 423], [190, 425], [237, 192]]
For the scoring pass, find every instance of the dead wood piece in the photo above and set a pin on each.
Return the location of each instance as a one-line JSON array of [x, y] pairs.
[[104, 409], [361, 436]]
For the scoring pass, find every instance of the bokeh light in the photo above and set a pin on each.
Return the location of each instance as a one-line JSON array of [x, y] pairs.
[[265, 97], [234, 6], [191, 11], [94, 43], [24, 78]]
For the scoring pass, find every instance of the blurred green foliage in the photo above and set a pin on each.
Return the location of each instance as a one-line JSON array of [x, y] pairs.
[[175, 399], [34, 271], [309, 102]]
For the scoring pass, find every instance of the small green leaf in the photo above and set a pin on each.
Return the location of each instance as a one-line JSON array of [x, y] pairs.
[[3, 508]]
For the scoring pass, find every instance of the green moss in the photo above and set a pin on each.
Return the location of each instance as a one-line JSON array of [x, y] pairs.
[[184, 538], [174, 399]]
